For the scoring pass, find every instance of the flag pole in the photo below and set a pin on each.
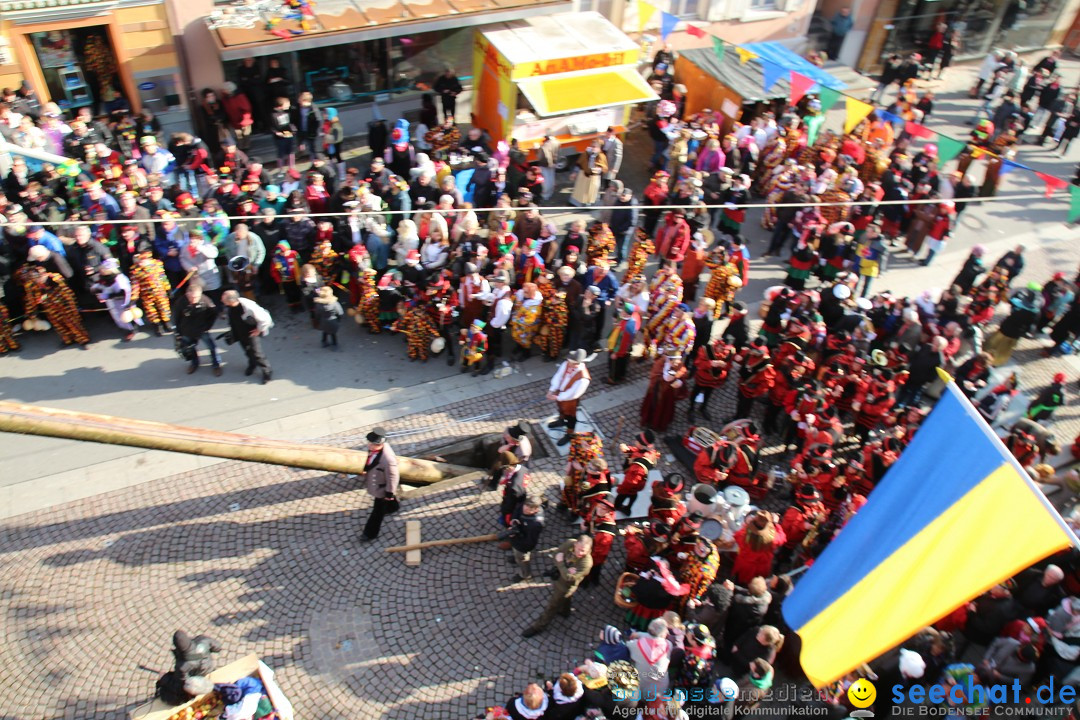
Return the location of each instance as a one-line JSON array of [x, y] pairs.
[[951, 386]]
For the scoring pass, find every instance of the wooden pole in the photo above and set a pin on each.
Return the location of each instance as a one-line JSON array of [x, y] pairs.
[[51, 422], [443, 543]]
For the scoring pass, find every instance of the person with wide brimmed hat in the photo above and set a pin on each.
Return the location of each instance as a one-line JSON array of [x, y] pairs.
[[568, 384], [381, 481]]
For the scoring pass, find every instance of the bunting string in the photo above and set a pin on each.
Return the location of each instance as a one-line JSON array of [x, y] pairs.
[[855, 110]]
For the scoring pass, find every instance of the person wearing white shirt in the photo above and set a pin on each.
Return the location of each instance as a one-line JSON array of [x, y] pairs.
[[570, 382], [248, 323], [501, 307]]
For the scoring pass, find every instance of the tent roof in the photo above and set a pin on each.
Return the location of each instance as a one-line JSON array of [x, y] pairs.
[[747, 79]]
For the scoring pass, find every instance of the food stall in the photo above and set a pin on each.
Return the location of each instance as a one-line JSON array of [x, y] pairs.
[[210, 706], [569, 75]]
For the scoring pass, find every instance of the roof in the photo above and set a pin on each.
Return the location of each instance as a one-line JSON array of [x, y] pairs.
[[260, 27], [550, 37], [747, 79]]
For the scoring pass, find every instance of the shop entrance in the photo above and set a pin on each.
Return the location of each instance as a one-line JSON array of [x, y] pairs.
[[980, 25], [80, 68]]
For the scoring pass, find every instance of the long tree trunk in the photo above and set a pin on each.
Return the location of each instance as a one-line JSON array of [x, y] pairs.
[[52, 422]]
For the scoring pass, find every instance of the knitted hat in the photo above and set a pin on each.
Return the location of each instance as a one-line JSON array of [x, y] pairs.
[[611, 635]]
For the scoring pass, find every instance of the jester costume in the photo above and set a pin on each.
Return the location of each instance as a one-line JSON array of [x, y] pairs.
[[720, 288], [367, 303], [834, 213], [680, 336], [664, 298], [771, 156], [419, 329], [325, 259], [525, 321], [7, 338], [474, 345], [584, 446], [774, 190], [601, 243], [150, 286], [285, 270], [698, 572], [553, 320], [640, 251], [358, 262], [54, 298]]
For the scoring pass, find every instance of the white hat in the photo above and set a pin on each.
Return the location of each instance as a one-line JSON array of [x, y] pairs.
[[864, 304], [727, 690], [911, 664], [841, 292]]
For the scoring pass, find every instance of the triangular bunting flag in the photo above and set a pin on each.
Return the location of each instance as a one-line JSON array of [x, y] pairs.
[[891, 118], [745, 55], [800, 85], [978, 152], [828, 97], [667, 24], [1074, 206], [695, 31], [948, 148], [718, 48], [856, 111], [645, 11], [813, 125], [771, 72], [1052, 183], [1007, 166], [914, 129]]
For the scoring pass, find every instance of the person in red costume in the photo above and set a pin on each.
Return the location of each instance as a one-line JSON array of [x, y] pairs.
[[642, 457], [757, 543]]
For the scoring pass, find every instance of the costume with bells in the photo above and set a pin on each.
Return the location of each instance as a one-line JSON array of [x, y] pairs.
[[49, 294], [419, 329], [640, 251], [7, 337], [150, 286], [584, 448]]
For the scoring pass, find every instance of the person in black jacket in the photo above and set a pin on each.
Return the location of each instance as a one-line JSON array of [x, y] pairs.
[[308, 121], [523, 534], [623, 223], [449, 87], [194, 315], [737, 332], [512, 479], [987, 616]]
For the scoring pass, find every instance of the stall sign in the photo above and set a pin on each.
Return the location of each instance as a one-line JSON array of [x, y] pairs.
[[574, 64]]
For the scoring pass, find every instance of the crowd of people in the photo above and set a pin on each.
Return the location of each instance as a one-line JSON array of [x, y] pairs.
[[172, 235]]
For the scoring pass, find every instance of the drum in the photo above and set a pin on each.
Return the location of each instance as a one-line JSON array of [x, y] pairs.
[[711, 529]]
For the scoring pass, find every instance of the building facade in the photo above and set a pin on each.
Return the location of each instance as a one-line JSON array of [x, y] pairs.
[[98, 53]]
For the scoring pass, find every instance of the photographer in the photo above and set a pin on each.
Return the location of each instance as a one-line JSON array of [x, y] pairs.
[[248, 323], [523, 535]]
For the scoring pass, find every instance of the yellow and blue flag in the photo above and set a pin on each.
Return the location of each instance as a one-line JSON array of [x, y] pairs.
[[954, 516]]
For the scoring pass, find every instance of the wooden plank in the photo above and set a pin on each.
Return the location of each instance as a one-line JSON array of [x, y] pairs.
[[412, 537]]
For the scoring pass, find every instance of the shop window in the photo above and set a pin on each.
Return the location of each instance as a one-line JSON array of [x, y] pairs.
[[80, 68]]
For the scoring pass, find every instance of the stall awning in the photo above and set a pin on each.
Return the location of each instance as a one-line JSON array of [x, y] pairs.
[[586, 90]]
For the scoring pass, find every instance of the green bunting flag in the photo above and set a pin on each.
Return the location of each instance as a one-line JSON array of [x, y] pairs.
[[718, 48], [1074, 207], [948, 148], [828, 97], [813, 126]]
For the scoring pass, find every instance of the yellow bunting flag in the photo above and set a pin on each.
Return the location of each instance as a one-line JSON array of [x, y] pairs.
[[645, 11], [745, 55], [857, 111]]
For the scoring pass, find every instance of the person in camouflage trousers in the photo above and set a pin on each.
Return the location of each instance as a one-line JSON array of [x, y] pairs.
[[150, 286], [49, 294]]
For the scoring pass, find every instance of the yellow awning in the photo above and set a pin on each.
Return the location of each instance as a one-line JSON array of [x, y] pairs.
[[586, 90]]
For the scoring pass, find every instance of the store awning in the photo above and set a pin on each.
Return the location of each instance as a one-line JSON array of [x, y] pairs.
[[586, 90]]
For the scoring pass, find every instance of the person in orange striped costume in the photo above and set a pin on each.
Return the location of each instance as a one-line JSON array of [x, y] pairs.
[[7, 338], [49, 294], [150, 286]]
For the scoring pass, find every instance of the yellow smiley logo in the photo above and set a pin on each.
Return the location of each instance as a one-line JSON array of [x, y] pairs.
[[862, 693]]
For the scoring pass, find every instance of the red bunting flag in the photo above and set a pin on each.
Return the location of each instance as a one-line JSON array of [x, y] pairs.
[[800, 85], [916, 130], [1052, 183], [695, 31]]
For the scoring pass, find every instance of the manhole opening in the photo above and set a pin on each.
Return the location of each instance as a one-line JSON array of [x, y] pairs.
[[480, 451]]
